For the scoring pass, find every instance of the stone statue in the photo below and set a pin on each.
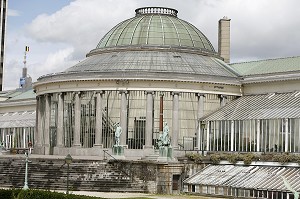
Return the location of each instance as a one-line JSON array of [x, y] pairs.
[[1, 145], [118, 133], [164, 138], [290, 188]]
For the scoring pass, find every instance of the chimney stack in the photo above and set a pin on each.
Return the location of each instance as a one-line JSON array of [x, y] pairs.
[[224, 39]]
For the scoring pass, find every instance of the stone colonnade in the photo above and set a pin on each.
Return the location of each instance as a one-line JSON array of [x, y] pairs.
[[42, 139]]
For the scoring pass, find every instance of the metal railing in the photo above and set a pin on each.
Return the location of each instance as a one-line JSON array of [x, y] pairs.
[[118, 161]]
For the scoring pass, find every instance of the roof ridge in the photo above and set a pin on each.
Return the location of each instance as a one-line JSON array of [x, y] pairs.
[[298, 56]]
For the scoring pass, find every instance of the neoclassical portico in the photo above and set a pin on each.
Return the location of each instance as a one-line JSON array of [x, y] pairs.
[[139, 132]]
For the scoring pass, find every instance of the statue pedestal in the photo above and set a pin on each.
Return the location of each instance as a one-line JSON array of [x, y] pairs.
[[165, 154], [118, 152]]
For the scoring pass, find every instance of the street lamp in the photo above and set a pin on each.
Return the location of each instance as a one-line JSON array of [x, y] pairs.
[[68, 161], [26, 172], [202, 126]]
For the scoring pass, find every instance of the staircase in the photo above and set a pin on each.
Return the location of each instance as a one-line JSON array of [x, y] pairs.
[[51, 174]]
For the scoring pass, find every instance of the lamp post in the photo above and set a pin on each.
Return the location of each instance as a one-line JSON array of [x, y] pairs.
[[202, 126], [68, 161], [26, 172]]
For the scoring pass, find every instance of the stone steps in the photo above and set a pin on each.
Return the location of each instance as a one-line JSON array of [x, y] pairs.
[[52, 174]]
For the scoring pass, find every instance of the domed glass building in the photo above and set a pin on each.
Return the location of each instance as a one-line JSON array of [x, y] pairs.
[[148, 70]]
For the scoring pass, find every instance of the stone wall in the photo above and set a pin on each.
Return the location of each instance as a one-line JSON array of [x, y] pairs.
[[97, 175]]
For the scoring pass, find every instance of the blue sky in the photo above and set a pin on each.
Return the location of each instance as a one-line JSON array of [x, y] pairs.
[[61, 32]]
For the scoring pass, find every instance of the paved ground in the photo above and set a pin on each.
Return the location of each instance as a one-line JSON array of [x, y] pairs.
[[131, 195]]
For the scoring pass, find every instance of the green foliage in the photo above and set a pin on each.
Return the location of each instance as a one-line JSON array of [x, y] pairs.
[[7, 193], [267, 157], [232, 157], [215, 158], [38, 194], [248, 158], [285, 158], [196, 157]]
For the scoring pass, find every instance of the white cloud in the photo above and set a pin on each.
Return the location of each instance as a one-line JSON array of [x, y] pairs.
[[259, 29], [80, 24], [13, 13], [55, 62]]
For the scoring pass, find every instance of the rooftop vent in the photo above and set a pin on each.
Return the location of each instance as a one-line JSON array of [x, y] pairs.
[[156, 10]]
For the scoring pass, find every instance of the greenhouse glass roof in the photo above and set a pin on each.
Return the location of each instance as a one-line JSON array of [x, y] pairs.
[[247, 177], [17, 119], [265, 106]]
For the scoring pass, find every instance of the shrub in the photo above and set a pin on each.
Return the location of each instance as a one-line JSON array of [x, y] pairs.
[[267, 157], [232, 157], [196, 157], [294, 158], [282, 158], [249, 157], [38, 194], [215, 158]]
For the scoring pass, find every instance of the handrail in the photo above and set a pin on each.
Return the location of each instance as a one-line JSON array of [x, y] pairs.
[[105, 151]]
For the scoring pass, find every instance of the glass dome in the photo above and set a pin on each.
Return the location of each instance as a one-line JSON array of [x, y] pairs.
[[155, 26]]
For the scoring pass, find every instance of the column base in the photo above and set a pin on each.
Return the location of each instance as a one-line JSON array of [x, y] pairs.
[[47, 149], [77, 145], [148, 147], [98, 146], [38, 149]]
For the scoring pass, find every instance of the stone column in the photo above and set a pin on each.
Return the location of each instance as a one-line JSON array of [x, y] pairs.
[[47, 124], [60, 120], [38, 133], [123, 117], [77, 115], [232, 136], [207, 136], [175, 120], [200, 114], [223, 100], [258, 135], [286, 139], [98, 130], [149, 119]]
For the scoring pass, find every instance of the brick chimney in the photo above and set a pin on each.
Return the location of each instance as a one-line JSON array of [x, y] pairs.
[[224, 39]]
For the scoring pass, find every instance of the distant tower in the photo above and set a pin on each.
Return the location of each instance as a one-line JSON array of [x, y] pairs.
[[224, 39], [3, 17], [25, 80]]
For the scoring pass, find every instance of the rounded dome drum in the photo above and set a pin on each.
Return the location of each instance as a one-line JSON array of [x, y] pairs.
[[155, 26]]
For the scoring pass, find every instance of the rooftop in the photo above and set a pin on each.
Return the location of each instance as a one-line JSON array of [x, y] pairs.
[[247, 177], [268, 66], [156, 26], [264, 106]]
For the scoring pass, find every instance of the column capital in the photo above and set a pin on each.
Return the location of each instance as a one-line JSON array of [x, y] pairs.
[[223, 96], [200, 94], [76, 93], [149, 92], [100, 92], [61, 94], [48, 94], [123, 91], [175, 93]]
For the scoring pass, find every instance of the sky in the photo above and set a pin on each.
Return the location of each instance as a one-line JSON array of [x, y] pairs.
[[61, 32]]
